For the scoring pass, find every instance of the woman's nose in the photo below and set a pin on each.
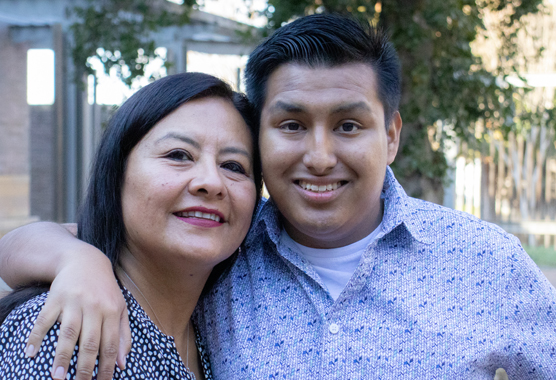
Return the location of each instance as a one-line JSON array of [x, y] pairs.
[[207, 180]]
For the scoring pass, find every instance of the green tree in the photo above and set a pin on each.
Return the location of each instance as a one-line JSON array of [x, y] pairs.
[[446, 90], [120, 33]]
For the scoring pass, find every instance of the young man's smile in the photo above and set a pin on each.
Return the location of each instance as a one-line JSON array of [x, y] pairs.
[[320, 190], [324, 150]]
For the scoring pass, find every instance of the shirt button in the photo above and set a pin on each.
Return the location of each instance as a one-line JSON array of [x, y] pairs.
[[334, 328]]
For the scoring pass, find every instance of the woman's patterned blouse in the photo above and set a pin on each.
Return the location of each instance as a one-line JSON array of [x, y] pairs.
[[153, 354]]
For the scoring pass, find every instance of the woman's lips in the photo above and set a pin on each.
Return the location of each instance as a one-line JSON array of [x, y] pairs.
[[200, 216]]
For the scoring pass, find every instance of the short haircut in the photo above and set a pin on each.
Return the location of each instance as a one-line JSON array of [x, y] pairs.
[[326, 40], [101, 222]]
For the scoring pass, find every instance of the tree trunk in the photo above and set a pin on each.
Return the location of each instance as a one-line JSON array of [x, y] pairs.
[[419, 168]]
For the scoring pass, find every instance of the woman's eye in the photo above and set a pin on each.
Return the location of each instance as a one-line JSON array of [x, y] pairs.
[[348, 127], [179, 155], [234, 167]]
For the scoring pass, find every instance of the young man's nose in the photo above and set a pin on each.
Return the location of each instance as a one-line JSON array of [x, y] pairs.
[[320, 155], [207, 180]]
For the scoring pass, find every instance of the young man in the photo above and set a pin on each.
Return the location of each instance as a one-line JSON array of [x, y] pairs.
[[345, 276]]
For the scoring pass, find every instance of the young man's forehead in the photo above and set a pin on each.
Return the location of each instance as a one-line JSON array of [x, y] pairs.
[[292, 85]]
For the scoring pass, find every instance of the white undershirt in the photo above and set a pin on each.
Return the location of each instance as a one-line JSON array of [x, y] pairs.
[[335, 266]]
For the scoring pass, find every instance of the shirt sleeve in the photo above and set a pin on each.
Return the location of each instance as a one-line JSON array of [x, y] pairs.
[[529, 317], [14, 332]]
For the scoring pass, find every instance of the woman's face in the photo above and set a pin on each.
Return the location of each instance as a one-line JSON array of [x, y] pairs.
[[189, 193]]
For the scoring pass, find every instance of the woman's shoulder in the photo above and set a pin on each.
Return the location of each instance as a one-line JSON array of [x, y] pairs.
[[14, 332], [23, 316]]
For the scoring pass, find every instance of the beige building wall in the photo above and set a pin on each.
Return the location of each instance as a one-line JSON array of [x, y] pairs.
[[14, 135]]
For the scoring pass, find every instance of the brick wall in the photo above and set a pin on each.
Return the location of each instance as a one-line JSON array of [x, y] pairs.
[[14, 134], [14, 111]]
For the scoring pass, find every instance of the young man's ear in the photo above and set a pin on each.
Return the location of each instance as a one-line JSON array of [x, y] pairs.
[[393, 133]]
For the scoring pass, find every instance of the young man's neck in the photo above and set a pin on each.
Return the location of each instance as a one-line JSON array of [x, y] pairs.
[[328, 239]]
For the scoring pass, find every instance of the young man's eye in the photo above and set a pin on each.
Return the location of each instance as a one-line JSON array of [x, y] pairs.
[[348, 127], [234, 167], [292, 127], [179, 155]]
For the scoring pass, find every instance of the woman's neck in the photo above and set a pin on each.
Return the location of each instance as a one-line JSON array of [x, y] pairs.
[[168, 294]]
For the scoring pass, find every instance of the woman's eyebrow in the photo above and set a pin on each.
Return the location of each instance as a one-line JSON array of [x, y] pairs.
[[177, 136], [188, 140], [235, 150]]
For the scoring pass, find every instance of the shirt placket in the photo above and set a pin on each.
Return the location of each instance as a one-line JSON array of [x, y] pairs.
[[333, 341], [338, 331]]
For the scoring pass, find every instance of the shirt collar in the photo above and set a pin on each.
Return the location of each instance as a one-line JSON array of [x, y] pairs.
[[399, 209], [267, 218]]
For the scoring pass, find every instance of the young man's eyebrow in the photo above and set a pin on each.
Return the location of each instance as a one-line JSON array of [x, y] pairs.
[[177, 136], [288, 107], [347, 107], [296, 108]]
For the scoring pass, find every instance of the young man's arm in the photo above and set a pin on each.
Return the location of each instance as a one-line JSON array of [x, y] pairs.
[[84, 296], [21, 252], [528, 318]]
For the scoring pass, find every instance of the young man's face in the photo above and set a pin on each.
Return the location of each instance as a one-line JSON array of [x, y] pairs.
[[324, 150]]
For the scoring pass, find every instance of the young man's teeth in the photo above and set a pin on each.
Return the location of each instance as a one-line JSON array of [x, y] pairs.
[[317, 188], [199, 214]]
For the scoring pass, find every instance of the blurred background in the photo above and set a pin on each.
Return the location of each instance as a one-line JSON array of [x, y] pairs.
[[479, 79]]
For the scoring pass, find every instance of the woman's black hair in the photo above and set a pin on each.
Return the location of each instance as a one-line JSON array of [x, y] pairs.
[[100, 222], [101, 219]]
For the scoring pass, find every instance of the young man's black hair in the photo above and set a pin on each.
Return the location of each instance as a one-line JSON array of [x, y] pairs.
[[326, 40]]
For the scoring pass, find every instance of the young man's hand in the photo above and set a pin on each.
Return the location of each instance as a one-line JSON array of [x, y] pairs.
[[500, 374], [84, 297], [88, 303]]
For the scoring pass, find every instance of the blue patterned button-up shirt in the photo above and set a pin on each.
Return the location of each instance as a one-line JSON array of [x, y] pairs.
[[440, 295]]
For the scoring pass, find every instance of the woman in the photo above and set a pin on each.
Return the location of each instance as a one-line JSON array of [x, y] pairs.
[[172, 192]]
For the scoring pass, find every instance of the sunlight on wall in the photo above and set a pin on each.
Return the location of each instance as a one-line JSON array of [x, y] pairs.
[[40, 76], [239, 10], [110, 90], [221, 66]]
